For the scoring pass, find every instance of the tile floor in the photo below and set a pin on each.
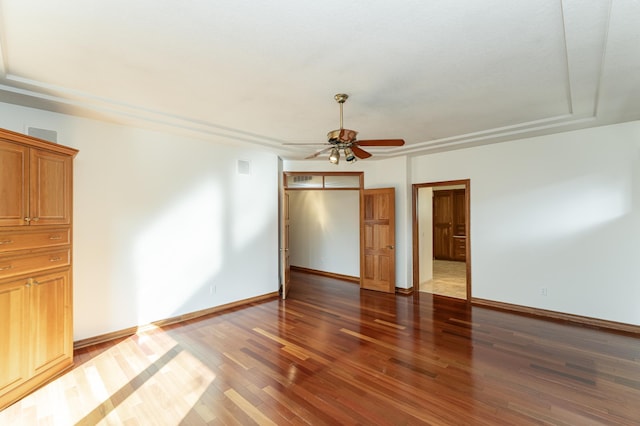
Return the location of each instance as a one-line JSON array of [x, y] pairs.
[[449, 279]]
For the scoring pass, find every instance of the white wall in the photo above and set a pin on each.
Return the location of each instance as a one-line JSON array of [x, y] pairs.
[[560, 212], [425, 236], [163, 224], [386, 173], [325, 231]]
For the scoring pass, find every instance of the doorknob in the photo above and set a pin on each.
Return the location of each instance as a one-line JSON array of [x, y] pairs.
[[390, 247]]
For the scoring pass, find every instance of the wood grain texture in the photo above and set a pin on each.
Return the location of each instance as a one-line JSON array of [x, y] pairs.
[[335, 354], [378, 259], [126, 332], [36, 318], [342, 277]]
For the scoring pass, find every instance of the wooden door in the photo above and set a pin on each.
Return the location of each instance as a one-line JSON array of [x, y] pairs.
[[51, 320], [50, 199], [14, 184], [14, 336], [286, 262], [442, 224], [378, 266]]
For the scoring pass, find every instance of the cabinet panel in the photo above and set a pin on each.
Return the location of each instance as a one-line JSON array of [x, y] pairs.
[[30, 238], [50, 196], [51, 320], [32, 262], [459, 248], [14, 333], [14, 184]]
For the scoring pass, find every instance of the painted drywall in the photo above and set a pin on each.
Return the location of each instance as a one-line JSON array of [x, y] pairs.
[[163, 224], [425, 234], [385, 173], [324, 232], [558, 212]]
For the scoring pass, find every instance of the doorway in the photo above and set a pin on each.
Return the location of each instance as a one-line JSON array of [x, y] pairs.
[[320, 225], [441, 244]]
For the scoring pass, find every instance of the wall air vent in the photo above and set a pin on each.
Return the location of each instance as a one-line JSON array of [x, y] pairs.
[[244, 167], [47, 135]]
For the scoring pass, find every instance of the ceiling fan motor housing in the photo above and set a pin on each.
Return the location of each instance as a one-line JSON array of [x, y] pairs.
[[342, 136]]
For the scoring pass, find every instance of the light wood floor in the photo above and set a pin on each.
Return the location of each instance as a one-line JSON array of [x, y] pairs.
[[449, 279], [335, 354]]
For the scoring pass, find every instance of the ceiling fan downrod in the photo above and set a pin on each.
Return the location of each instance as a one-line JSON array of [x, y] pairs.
[[341, 98]]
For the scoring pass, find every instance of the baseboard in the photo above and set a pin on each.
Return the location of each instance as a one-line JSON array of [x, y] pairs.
[[558, 316], [404, 291], [165, 322], [349, 278]]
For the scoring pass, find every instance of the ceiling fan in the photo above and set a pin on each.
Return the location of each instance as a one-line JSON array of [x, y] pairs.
[[345, 140]]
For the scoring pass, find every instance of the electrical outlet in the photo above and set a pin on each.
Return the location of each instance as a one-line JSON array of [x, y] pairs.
[[543, 291]]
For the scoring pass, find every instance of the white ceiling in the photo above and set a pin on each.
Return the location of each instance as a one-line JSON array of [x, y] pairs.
[[439, 74]]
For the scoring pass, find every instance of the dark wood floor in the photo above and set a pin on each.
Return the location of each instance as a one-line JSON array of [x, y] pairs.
[[333, 354]]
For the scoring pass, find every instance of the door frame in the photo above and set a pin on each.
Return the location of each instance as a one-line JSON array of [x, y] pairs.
[[415, 238]]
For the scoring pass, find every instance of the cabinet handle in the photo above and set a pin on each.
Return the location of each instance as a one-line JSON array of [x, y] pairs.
[[35, 282], [28, 219], [55, 259], [5, 268], [6, 242], [35, 219], [390, 247], [55, 237]]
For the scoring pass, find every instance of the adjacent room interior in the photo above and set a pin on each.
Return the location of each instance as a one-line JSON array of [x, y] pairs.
[[442, 238]]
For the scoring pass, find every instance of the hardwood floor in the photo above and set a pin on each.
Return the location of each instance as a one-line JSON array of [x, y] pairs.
[[335, 354]]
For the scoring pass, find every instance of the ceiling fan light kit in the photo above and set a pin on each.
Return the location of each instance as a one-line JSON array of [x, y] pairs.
[[334, 157], [349, 156], [345, 140]]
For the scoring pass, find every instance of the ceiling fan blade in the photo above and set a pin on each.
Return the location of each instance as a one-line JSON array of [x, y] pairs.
[[306, 143], [359, 152], [381, 142], [315, 154]]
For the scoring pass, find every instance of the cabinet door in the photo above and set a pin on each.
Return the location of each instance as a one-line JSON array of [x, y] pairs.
[[14, 184], [14, 335], [459, 225], [50, 185], [459, 213], [51, 325]]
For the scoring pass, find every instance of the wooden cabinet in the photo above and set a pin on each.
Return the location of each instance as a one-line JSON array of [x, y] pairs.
[[36, 324], [36, 186], [449, 225]]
